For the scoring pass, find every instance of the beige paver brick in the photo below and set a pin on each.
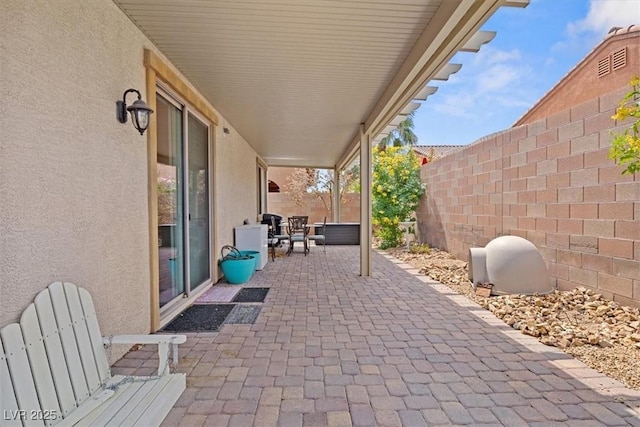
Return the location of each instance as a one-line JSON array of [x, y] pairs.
[[388, 418], [290, 419], [293, 393], [271, 396], [413, 418], [241, 420], [266, 416], [205, 407], [297, 405], [357, 394], [333, 348]]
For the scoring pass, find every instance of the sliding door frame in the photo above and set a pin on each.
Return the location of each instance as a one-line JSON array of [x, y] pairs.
[[159, 72]]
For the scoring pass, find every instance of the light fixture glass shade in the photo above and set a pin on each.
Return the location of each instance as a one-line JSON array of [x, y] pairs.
[[140, 113]]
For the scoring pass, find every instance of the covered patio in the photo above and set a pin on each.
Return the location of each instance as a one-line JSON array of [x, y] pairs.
[[331, 347], [346, 338], [236, 87]]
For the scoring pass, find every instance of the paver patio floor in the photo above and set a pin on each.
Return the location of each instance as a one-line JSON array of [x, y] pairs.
[[331, 348]]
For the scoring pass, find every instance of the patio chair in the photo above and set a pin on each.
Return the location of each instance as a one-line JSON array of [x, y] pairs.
[[283, 237], [298, 232], [272, 238], [320, 237]]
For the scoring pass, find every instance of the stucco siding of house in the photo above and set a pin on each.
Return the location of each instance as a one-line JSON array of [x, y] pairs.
[[74, 181], [235, 184]]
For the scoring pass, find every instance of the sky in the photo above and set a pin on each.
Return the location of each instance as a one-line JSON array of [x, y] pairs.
[[534, 48]]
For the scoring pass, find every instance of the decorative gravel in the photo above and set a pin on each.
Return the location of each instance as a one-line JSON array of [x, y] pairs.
[[601, 333]]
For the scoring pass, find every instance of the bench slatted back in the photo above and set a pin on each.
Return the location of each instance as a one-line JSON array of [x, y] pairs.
[[55, 352], [19, 369], [91, 319], [53, 359], [42, 377], [7, 396], [69, 344], [83, 342]]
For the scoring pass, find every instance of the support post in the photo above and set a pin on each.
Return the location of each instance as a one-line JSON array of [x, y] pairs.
[[365, 203], [336, 195]]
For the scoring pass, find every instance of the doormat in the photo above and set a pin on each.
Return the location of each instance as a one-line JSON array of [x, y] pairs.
[[243, 314], [200, 318], [251, 295], [218, 294]]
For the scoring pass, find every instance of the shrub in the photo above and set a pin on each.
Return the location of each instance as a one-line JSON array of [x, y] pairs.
[[420, 248], [396, 192], [625, 147]]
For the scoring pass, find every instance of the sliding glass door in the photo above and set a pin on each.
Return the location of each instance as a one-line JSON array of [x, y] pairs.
[[198, 190], [183, 187], [170, 201]]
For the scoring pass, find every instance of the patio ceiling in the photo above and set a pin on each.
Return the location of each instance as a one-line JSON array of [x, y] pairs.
[[296, 78]]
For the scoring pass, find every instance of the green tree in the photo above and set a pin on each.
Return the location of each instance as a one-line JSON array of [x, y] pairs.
[[625, 147], [401, 136], [166, 189], [396, 192]]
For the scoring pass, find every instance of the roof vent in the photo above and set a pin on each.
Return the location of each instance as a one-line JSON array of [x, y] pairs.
[[604, 66], [619, 58]]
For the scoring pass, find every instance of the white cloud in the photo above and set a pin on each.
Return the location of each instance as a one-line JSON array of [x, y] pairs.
[[489, 55], [460, 104], [497, 78], [605, 14], [499, 81], [602, 15]]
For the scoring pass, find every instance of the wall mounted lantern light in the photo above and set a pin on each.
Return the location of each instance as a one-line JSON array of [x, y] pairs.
[[140, 111]]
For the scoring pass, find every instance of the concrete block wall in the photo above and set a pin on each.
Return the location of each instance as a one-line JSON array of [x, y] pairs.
[[551, 182], [281, 204]]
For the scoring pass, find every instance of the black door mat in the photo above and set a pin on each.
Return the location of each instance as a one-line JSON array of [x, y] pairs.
[[251, 295], [200, 318], [243, 314]]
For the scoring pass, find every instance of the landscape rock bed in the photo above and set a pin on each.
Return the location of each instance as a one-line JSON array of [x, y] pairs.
[[601, 333]]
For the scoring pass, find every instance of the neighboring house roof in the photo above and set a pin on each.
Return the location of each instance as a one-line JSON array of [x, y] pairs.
[[608, 67], [435, 150]]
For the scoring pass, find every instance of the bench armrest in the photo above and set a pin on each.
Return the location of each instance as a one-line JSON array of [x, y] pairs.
[[165, 343]]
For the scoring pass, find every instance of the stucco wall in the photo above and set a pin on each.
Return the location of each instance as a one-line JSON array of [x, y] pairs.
[[235, 185], [552, 183], [73, 181]]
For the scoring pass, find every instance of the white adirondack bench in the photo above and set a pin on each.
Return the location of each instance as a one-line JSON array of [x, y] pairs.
[[54, 368]]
